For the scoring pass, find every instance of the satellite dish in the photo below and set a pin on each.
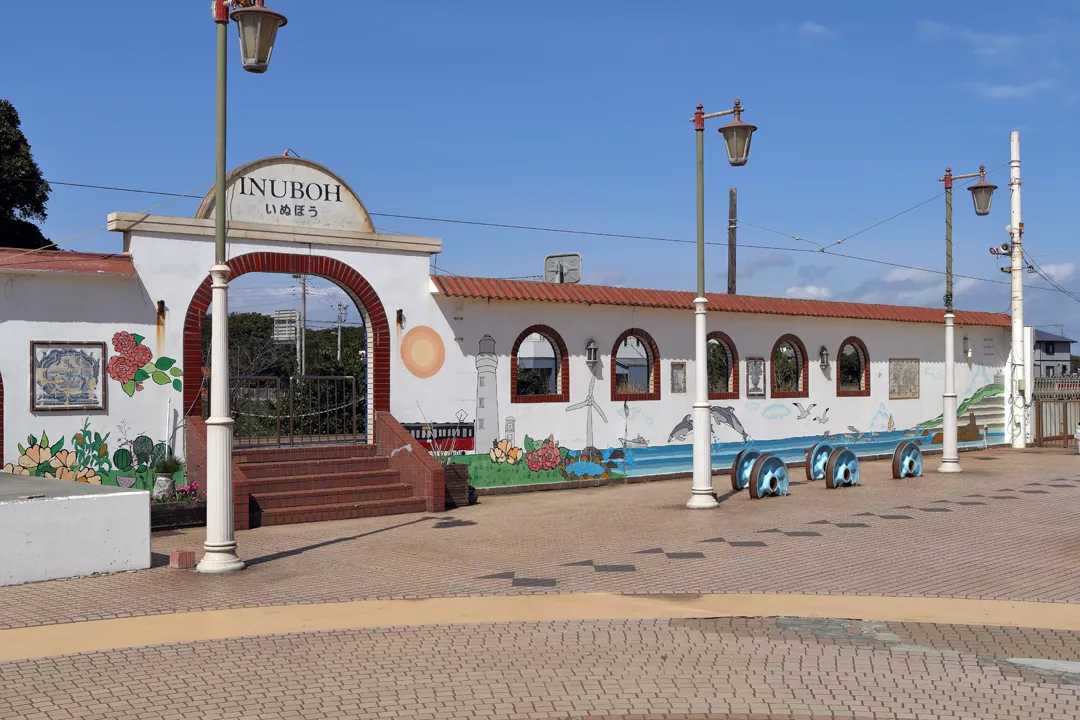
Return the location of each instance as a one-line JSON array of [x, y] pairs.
[[564, 268]]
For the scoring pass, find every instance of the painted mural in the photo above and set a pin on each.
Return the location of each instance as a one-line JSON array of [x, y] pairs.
[[85, 457], [134, 364], [67, 376], [422, 351]]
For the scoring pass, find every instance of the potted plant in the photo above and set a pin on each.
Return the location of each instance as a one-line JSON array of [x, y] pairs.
[[165, 470]]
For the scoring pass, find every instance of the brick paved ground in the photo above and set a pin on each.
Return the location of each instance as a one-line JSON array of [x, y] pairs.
[[1009, 527], [781, 667]]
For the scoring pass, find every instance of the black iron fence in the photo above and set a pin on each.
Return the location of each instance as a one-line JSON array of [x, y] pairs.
[[268, 410]]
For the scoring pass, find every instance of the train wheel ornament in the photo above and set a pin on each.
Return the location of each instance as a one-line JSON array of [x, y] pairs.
[[907, 460], [768, 476], [842, 469], [816, 459], [740, 469]]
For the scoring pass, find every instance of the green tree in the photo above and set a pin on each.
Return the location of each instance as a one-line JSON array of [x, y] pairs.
[[719, 368], [23, 190]]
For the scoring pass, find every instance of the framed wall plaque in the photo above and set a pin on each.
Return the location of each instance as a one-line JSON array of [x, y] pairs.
[[678, 377], [755, 377], [903, 378], [67, 376]]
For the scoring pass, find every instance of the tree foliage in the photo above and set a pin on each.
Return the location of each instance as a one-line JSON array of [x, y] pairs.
[[23, 190]]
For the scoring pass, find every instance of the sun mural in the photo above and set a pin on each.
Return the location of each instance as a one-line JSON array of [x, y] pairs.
[[423, 351]]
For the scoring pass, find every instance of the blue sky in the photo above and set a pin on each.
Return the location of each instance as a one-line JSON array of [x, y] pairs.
[[576, 115]]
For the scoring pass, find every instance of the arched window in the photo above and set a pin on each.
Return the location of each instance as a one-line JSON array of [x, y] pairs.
[[787, 368], [723, 367], [539, 367], [853, 369], [635, 367]]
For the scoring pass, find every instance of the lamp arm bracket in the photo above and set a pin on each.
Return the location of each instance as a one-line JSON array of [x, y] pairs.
[[962, 177], [708, 116]]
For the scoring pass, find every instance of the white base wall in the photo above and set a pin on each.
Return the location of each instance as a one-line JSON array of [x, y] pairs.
[[63, 537]]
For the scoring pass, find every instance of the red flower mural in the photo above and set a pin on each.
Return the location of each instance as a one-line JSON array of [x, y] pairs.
[[134, 363]]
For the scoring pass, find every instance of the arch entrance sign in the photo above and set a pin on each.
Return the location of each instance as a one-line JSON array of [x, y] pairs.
[[290, 191]]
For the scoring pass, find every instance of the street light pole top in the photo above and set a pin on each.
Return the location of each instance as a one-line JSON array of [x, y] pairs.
[[258, 27], [737, 135]]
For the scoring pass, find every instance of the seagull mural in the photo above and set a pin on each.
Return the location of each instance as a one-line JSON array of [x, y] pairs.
[[717, 416], [823, 417], [859, 434], [804, 412], [590, 403]]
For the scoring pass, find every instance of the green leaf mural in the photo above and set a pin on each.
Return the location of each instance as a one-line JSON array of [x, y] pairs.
[[176, 372], [178, 385], [129, 387], [141, 375], [160, 378], [164, 363]]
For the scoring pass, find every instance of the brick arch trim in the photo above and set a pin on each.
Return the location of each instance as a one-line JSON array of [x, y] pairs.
[[654, 376], [563, 396], [804, 370], [344, 276], [864, 354], [725, 340]]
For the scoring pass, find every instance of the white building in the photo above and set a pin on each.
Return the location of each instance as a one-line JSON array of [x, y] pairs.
[[453, 352]]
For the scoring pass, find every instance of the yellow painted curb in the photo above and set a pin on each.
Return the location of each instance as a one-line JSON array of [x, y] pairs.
[[100, 635]]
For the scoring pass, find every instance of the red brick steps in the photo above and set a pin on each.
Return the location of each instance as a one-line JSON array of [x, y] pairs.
[[338, 511], [284, 485]]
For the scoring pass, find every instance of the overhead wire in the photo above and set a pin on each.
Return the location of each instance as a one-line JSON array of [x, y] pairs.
[[820, 249]]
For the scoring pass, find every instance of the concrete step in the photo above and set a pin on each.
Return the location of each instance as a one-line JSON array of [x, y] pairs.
[[336, 511], [310, 483], [312, 466], [331, 496]]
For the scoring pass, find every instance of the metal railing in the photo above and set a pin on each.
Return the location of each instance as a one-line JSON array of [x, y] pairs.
[[267, 410], [1056, 387], [324, 408]]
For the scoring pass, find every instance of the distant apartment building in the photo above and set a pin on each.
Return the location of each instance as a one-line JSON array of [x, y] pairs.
[[1052, 354]]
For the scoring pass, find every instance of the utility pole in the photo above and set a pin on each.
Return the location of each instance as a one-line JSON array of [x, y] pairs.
[[302, 330], [732, 226], [341, 312], [1019, 390]]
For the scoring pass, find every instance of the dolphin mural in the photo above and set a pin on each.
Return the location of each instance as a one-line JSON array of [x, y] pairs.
[[718, 416]]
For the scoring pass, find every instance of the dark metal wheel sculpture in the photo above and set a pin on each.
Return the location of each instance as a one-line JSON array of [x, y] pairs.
[[768, 476], [740, 469], [816, 459], [842, 469], [907, 460]]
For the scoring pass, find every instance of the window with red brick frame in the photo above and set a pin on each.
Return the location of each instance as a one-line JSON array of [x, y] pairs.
[[788, 373], [525, 374], [635, 367], [853, 369], [723, 367]]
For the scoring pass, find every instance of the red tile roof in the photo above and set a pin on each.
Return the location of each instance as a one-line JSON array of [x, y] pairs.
[[525, 290], [12, 259]]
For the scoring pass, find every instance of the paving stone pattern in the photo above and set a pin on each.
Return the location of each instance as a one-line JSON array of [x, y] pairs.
[[746, 668], [1026, 547]]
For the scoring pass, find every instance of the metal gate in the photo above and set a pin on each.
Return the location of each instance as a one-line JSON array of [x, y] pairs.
[[1056, 409], [304, 409]]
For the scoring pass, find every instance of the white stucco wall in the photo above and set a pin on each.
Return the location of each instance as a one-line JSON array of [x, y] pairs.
[[62, 537], [75, 307], [454, 388]]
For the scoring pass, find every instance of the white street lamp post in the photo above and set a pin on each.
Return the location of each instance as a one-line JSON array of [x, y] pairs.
[[737, 136], [258, 29], [982, 193]]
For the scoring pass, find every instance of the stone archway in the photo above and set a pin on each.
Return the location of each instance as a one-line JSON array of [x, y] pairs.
[[344, 276]]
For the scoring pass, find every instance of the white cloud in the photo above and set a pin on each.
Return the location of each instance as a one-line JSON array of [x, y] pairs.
[[1060, 272], [1007, 91], [614, 277], [907, 275], [931, 30], [810, 29], [762, 261], [992, 46], [809, 292]]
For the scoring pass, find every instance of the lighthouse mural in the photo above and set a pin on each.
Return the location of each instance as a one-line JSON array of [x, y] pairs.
[[486, 424]]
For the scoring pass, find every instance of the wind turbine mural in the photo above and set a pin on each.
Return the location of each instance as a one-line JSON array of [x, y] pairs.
[[590, 403]]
